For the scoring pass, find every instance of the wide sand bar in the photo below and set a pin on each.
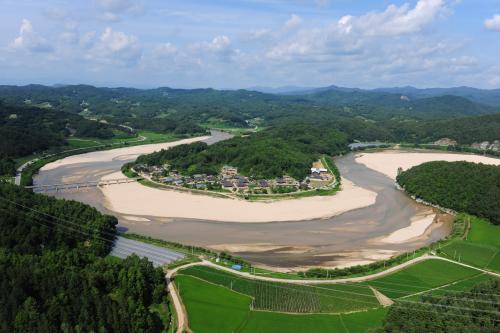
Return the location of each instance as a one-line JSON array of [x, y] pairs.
[[124, 153], [388, 162], [136, 199]]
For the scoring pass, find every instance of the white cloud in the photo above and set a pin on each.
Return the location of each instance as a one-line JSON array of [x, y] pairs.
[[293, 22], [394, 20], [218, 44], [165, 50], [115, 47], [493, 23], [29, 40]]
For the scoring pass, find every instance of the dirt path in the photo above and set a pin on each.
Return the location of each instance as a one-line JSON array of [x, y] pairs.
[[182, 317], [382, 299]]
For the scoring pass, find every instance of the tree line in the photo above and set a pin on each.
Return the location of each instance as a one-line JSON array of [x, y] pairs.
[[55, 276], [27, 130], [461, 186], [281, 150]]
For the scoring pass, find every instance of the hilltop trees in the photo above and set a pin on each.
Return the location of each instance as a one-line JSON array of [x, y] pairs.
[[462, 186], [54, 276], [280, 150]]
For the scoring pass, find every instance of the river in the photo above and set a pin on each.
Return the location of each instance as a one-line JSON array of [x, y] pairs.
[[352, 237]]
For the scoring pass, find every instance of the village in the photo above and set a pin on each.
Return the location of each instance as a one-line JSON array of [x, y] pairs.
[[230, 181]]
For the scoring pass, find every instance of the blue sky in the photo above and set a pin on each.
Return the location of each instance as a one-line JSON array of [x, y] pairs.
[[239, 44]]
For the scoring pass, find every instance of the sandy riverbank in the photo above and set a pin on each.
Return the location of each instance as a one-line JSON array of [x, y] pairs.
[[124, 153], [418, 226], [388, 162], [136, 199]]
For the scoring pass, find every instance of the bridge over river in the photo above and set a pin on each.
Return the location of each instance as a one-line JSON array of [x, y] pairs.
[[39, 188]]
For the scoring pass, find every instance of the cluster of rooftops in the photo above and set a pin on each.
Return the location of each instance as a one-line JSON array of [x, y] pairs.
[[229, 179]]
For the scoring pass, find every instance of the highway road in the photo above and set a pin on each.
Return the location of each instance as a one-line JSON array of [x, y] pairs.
[[159, 256]]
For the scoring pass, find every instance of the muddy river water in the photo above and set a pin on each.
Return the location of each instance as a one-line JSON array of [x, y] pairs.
[[350, 238]]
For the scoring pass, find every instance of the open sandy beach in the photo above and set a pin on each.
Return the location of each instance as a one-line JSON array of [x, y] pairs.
[[388, 162], [136, 199]]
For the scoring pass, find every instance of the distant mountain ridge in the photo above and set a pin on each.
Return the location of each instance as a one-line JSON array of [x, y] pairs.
[[235, 107], [489, 97]]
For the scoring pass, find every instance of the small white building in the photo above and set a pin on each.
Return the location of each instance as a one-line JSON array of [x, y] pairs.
[[318, 170]]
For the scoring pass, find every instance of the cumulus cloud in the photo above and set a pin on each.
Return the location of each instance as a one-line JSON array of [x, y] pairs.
[[30, 40], [394, 20], [115, 47], [493, 23], [219, 44]]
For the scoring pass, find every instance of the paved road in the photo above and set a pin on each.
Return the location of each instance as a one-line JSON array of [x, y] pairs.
[[19, 171], [158, 255]]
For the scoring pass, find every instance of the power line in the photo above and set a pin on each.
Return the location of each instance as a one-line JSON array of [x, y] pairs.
[[132, 248]]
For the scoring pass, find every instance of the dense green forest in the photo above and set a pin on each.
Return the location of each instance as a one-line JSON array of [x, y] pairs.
[[54, 276], [462, 186], [464, 312], [385, 113], [357, 114], [280, 150], [26, 130]]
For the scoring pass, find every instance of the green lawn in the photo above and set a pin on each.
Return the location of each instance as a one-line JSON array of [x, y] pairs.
[[292, 298], [420, 277], [216, 309], [480, 249]]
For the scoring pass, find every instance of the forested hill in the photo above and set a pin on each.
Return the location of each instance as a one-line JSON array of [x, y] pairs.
[[282, 150], [232, 107], [461, 186], [54, 276], [26, 130]]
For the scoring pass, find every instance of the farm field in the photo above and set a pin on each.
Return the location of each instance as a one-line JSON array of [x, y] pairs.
[[420, 277], [269, 322], [460, 286], [284, 297], [213, 309], [480, 249]]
